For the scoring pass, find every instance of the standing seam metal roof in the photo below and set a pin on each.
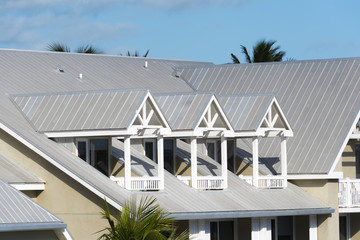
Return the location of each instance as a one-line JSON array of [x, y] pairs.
[[319, 98], [19, 211]]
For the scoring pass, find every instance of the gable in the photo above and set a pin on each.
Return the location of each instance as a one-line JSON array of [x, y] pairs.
[[214, 118]]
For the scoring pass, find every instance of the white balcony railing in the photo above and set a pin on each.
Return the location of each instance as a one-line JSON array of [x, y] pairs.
[[266, 181], [139, 183], [204, 182], [349, 192]]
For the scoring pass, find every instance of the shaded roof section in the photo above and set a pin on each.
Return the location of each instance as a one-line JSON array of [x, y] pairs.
[[11, 172], [92, 110], [246, 112], [240, 198], [320, 99], [19, 212]]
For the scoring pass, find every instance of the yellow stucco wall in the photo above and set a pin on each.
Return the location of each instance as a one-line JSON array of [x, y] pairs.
[[66, 198], [29, 235], [327, 192]]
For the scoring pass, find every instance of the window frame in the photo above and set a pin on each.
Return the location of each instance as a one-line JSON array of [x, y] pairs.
[[87, 141]]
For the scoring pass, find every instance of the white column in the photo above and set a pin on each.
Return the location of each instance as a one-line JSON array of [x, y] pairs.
[[312, 227], [255, 153], [224, 161], [265, 228], [160, 158], [255, 229], [283, 160], [204, 230], [193, 229], [127, 160], [194, 162]]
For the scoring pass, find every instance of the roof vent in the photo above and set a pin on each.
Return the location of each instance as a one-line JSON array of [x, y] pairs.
[[146, 64], [80, 76], [60, 69]]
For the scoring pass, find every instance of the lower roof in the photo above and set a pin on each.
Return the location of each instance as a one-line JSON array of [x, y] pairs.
[[19, 212]]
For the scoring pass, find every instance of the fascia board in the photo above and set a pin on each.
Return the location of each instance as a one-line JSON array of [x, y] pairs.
[[249, 214], [94, 133]]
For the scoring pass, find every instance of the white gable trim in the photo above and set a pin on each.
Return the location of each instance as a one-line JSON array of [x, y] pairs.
[[56, 164], [206, 111], [287, 130], [140, 114], [337, 159]]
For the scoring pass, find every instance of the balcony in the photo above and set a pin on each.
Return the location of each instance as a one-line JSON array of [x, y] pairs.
[[266, 182], [139, 183], [349, 193], [204, 182]]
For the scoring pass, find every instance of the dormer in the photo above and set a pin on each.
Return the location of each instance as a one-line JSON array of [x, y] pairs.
[[91, 119]]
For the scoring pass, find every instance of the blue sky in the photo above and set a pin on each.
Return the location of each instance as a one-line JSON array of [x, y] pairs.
[[202, 30]]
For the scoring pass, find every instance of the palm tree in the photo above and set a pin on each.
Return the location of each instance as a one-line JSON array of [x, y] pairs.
[[143, 221], [60, 47], [263, 51], [136, 53]]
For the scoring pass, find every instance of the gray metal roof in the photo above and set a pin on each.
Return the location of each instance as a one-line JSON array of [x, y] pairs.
[[19, 212], [11, 172], [320, 99], [37, 72], [183, 111], [91, 110], [245, 112]]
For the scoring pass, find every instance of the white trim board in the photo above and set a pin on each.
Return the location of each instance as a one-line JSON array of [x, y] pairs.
[[334, 175], [28, 186]]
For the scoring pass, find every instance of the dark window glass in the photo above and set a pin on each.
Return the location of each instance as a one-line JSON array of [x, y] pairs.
[[214, 231], [285, 228], [357, 155], [210, 146], [342, 223], [169, 155], [230, 155], [226, 230], [99, 154], [81, 148], [149, 150]]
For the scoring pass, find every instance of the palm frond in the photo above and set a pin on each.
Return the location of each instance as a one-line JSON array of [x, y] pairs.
[[247, 56], [57, 47], [234, 58], [88, 49]]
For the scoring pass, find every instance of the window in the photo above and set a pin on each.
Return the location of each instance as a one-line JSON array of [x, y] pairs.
[[169, 155], [213, 149], [285, 228], [222, 230], [150, 149], [231, 155], [94, 151]]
